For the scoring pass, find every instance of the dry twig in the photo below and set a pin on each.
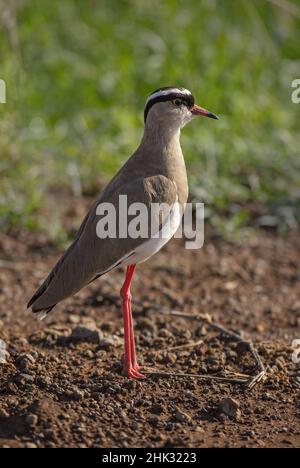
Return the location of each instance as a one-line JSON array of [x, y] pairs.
[[249, 380]]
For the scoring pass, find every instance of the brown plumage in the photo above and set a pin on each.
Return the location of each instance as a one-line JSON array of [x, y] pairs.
[[154, 174], [147, 177], [88, 256]]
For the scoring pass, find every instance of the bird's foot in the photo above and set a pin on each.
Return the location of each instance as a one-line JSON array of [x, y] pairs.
[[133, 372], [136, 367]]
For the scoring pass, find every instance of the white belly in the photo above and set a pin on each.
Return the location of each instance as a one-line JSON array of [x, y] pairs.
[[153, 245]]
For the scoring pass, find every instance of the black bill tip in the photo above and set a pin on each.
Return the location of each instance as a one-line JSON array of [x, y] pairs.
[[212, 116]]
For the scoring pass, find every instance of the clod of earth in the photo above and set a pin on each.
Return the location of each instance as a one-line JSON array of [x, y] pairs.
[[86, 333], [3, 413], [230, 407]]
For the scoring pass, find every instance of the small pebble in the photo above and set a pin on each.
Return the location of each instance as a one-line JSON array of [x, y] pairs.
[[230, 407], [31, 420], [3, 413], [180, 416]]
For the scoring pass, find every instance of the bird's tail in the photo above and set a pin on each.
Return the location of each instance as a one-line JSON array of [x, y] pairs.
[[41, 311]]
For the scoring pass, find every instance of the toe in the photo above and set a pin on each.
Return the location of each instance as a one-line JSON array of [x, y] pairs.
[[137, 367], [134, 374]]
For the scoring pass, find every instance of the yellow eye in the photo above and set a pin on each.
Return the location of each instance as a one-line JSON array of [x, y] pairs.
[[176, 102]]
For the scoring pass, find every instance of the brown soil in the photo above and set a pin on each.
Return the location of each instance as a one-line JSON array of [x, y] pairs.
[[56, 390]]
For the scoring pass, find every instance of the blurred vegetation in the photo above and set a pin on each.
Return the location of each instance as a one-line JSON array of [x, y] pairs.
[[77, 75]]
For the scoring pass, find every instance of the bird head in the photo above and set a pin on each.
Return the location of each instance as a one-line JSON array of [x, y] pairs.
[[174, 107]]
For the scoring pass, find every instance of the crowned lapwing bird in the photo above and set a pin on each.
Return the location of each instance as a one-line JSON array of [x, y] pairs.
[[154, 174]]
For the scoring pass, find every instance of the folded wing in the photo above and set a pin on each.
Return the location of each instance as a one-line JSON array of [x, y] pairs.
[[89, 256]]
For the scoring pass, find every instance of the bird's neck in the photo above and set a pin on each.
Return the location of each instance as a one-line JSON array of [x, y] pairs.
[[161, 153], [161, 137]]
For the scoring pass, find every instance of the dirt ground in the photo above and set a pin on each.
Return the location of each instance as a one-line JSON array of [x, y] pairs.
[[61, 384]]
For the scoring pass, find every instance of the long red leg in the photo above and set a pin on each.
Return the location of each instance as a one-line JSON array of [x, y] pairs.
[[130, 363], [135, 365], [132, 341]]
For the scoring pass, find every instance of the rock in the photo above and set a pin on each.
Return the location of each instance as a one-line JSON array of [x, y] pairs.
[[58, 331], [153, 420], [99, 354], [199, 429], [180, 416], [156, 408], [49, 434], [89, 354], [22, 341], [25, 361], [43, 382], [74, 394], [145, 324], [31, 445], [74, 319], [260, 328], [86, 333], [3, 413], [29, 358], [134, 426], [230, 285], [280, 363], [31, 420], [108, 326], [23, 379], [230, 407], [110, 342], [11, 388], [165, 333], [78, 394], [169, 358]]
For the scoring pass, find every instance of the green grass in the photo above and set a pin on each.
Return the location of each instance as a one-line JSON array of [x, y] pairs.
[[77, 75]]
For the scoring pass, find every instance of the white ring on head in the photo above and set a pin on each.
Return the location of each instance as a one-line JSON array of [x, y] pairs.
[[165, 92]]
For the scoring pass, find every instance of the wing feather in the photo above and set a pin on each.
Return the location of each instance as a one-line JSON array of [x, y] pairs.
[[88, 256]]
